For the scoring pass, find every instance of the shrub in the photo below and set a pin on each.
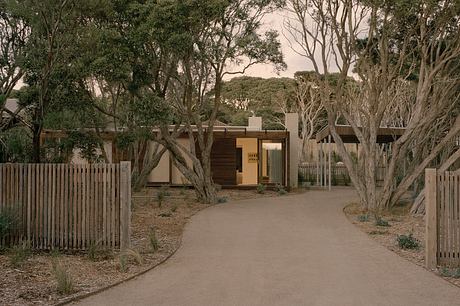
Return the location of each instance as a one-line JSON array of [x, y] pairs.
[[92, 250], [221, 200], [174, 207], [456, 274], [20, 253], [381, 222], [123, 262], [166, 214], [363, 218], [64, 283], [445, 272], [154, 244], [135, 255], [280, 189], [261, 188], [378, 232], [408, 242], [8, 221]]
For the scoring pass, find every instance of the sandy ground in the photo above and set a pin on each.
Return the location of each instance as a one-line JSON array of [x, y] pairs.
[[33, 281]]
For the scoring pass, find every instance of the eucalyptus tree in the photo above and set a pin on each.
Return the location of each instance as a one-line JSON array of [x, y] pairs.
[[388, 46], [220, 38], [13, 37]]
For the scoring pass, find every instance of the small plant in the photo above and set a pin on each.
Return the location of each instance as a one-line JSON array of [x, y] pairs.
[[456, 274], [363, 218], [92, 251], [221, 200], [154, 244], [123, 262], [20, 253], [8, 221], [378, 232], [408, 242], [261, 188], [166, 214], [174, 207], [280, 189], [55, 253], [381, 222], [64, 282], [445, 272], [135, 255], [160, 198]]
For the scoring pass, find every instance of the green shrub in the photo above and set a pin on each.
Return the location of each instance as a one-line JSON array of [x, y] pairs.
[[378, 232], [261, 188], [8, 221], [64, 282], [381, 222], [456, 274], [92, 251], [408, 242], [123, 263], [363, 218], [20, 253], [445, 272], [221, 200], [135, 255], [280, 189], [154, 244]]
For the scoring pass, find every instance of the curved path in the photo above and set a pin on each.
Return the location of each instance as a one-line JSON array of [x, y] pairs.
[[292, 250]]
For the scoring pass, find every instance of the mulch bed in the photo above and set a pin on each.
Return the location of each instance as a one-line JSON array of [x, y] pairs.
[[33, 281], [401, 223]]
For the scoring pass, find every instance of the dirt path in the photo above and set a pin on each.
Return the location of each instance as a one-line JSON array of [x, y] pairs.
[[293, 250]]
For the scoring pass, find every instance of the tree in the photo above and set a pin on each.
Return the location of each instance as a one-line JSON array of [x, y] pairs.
[[405, 41], [218, 34], [13, 37]]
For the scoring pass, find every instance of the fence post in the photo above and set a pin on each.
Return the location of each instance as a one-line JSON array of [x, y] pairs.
[[125, 205], [431, 233]]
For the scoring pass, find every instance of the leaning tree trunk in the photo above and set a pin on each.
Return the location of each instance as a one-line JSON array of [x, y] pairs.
[[418, 208]]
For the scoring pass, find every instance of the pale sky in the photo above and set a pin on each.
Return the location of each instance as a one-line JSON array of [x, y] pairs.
[[294, 61]]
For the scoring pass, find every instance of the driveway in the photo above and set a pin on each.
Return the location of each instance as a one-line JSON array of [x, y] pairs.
[[291, 250]]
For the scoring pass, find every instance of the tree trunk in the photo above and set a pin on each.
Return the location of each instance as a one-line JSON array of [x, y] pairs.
[[152, 162]]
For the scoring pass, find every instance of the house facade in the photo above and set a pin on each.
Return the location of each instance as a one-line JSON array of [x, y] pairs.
[[241, 157]]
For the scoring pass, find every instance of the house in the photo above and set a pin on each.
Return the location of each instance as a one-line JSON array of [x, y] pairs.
[[241, 157]]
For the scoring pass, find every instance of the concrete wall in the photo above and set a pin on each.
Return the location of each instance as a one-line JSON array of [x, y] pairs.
[[292, 125], [249, 145]]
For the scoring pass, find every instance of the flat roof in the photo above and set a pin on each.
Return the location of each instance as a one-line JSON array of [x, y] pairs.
[[385, 134]]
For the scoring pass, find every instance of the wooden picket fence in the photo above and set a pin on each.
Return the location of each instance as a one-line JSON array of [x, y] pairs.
[[67, 206], [442, 196]]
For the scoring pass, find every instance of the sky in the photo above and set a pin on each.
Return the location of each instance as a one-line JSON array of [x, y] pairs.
[[294, 61]]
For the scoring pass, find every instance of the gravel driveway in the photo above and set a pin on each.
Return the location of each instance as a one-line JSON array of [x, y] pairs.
[[291, 250]]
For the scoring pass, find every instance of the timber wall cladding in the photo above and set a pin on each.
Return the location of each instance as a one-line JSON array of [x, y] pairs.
[[223, 161], [442, 193], [67, 206]]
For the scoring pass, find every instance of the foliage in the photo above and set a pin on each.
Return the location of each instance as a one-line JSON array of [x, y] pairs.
[[408, 242], [9, 220], [280, 189], [165, 214], [261, 188], [64, 281], [15, 146], [363, 218], [20, 253], [154, 244], [161, 195], [378, 232], [123, 262], [222, 200], [381, 222]]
